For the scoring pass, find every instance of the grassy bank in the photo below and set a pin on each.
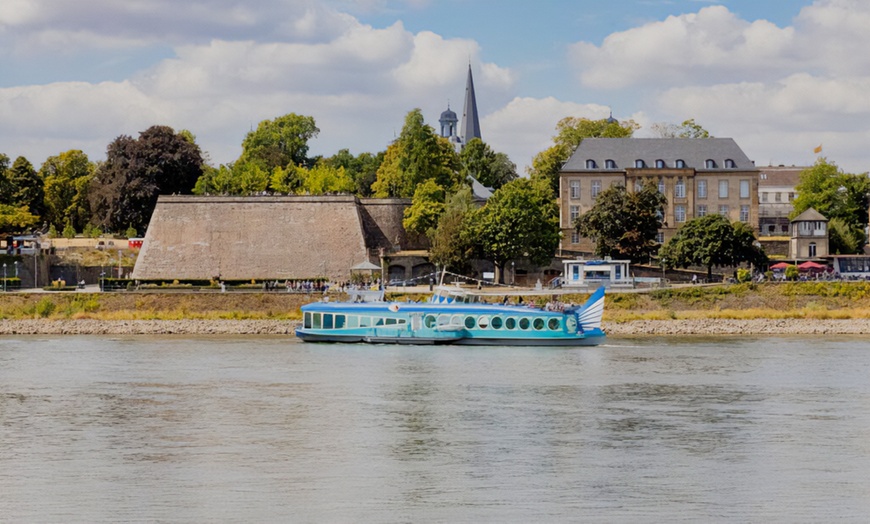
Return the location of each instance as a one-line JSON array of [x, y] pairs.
[[810, 300]]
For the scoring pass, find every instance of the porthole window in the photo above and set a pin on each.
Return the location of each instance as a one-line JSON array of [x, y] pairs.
[[456, 320], [524, 323], [429, 321], [553, 324], [539, 323], [470, 322], [483, 322], [443, 320], [510, 323], [496, 323]]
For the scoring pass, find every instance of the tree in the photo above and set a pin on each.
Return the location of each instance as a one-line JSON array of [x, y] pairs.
[[488, 167], [520, 219], [280, 142], [842, 238], [426, 207], [362, 169], [16, 219], [836, 195], [416, 156], [125, 188], [570, 131], [26, 187], [67, 177], [624, 225], [451, 241], [5, 188], [710, 241], [688, 129], [324, 178]]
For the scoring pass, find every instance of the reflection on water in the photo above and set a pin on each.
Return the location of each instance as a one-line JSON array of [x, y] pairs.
[[270, 429]]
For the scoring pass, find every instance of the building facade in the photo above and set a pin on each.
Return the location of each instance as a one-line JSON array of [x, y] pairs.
[[699, 176], [809, 236], [776, 194]]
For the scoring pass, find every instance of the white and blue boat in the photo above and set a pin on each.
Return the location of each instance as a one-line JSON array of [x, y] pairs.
[[453, 316]]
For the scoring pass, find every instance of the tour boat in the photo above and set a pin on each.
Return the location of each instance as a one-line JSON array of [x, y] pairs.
[[453, 316]]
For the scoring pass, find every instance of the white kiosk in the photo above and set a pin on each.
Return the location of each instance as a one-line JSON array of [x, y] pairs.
[[594, 273]]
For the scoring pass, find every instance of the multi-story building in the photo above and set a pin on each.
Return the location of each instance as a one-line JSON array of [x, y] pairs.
[[776, 193], [699, 176]]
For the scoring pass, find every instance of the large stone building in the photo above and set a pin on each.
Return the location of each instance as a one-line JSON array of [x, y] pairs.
[[282, 237], [776, 188], [698, 176]]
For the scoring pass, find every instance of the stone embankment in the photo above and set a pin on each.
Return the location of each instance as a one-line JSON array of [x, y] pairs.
[[285, 327]]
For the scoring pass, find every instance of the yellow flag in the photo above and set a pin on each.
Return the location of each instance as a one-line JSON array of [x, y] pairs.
[[818, 149]]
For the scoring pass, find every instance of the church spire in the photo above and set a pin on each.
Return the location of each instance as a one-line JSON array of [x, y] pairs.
[[470, 122]]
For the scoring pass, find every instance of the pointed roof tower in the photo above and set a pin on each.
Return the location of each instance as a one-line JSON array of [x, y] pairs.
[[470, 122]]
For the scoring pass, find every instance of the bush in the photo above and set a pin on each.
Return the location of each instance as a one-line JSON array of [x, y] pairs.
[[45, 307], [69, 231], [744, 275]]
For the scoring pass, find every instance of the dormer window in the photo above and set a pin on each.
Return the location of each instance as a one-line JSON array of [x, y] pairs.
[[680, 163], [590, 164], [729, 164], [609, 164], [660, 164], [710, 164], [639, 163]]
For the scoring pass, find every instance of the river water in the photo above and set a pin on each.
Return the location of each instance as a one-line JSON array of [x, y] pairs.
[[270, 429]]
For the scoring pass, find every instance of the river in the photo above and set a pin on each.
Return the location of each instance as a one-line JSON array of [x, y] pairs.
[[270, 429]]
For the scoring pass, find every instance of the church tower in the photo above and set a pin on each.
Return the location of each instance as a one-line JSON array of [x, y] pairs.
[[448, 122], [470, 122]]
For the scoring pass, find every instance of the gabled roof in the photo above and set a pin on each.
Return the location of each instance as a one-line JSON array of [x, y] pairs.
[[479, 192], [779, 176], [810, 215], [625, 151]]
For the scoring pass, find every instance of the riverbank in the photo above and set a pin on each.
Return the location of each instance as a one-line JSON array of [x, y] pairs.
[[286, 327]]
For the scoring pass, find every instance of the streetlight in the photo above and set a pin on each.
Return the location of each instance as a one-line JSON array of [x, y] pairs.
[[4, 277], [16, 269], [102, 275]]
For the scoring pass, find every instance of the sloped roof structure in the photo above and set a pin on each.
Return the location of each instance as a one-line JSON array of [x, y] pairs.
[[810, 215], [281, 237], [470, 121], [624, 152]]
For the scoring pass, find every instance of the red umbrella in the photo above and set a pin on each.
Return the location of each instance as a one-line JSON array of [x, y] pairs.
[[809, 265], [780, 265]]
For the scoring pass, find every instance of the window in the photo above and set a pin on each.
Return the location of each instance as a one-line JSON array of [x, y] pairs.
[[538, 324], [729, 164], [524, 323], [660, 164], [638, 185], [702, 210], [764, 197], [680, 163], [680, 213], [596, 188], [723, 189], [680, 189], [660, 237], [496, 323], [723, 210], [790, 197], [553, 324], [575, 189], [610, 164], [590, 164], [763, 176], [662, 186], [812, 250], [744, 189], [702, 189], [510, 323], [777, 197], [744, 213], [575, 237], [639, 163], [710, 164], [575, 212]]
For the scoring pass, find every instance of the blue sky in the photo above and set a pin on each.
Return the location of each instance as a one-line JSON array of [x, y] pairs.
[[780, 77]]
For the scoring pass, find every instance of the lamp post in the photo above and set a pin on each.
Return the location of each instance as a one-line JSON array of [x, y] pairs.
[[513, 272], [4, 277], [102, 275], [16, 269]]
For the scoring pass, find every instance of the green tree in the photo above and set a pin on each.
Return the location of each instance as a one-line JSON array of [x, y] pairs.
[[426, 207], [836, 195], [489, 168], [66, 188], [323, 179], [5, 188], [417, 155], [26, 187], [843, 239], [451, 241], [124, 190], [362, 169], [570, 131], [280, 142], [623, 224], [520, 219], [16, 219], [712, 241]]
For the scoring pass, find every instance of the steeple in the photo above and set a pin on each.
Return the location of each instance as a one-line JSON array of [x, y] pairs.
[[470, 122], [448, 122]]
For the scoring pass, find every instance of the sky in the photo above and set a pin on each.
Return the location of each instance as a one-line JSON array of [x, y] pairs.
[[780, 77]]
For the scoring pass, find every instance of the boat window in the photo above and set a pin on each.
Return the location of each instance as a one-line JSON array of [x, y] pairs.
[[327, 321], [571, 324], [524, 323], [483, 322], [352, 321], [402, 320], [443, 320], [391, 322], [339, 321], [365, 321], [429, 321], [539, 324], [496, 323], [379, 322], [510, 323], [553, 324], [317, 321], [306, 323], [470, 322], [456, 320]]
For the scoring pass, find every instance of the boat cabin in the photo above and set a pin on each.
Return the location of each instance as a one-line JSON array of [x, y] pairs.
[[449, 295]]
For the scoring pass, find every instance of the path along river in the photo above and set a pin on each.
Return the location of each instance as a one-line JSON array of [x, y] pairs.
[[269, 429]]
